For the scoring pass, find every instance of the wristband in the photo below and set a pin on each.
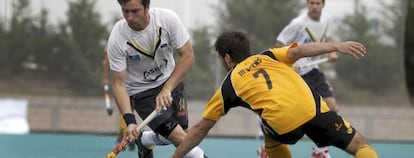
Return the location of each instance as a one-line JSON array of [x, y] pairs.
[[129, 118]]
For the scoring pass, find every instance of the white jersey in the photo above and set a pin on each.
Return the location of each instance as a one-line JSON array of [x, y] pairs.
[[302, 30], [147, 55]]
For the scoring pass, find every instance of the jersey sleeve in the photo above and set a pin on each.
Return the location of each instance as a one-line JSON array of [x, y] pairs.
[[289, 33], [281, 53], [116, 57], [178, 32], [214, 108]]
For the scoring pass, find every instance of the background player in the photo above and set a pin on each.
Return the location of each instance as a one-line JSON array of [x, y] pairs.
[[312, 26]]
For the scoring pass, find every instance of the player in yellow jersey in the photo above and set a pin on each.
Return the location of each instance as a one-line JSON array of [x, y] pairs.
[[267, 85]]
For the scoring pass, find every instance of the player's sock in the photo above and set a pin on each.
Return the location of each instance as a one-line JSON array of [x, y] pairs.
[[366, 151], [150, 138], [280, 151], [196, 152]]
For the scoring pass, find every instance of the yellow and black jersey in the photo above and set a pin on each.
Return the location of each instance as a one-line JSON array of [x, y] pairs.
[[266, 84]]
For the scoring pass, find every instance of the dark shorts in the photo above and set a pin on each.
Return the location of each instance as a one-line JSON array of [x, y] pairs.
[[317, 81], [176, 114], [329, 129], [324, 129]]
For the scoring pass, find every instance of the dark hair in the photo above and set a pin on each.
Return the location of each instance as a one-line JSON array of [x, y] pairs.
[[323, 1], [234, 43], [145, 3]]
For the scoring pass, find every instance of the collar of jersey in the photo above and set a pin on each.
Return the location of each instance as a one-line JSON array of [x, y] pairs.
[[312, 36], [144, 51]]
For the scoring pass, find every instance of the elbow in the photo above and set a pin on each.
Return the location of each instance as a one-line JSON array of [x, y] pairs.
[[191, 59]]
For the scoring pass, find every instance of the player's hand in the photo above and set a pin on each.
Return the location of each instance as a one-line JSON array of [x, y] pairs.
[[132, 133], [164, 99], [351, 48]]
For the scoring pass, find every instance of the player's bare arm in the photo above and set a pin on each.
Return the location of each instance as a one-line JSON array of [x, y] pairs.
[[105, 64], [332, 57], [183, 66], [194, 137], [351, 48], [122, 99]]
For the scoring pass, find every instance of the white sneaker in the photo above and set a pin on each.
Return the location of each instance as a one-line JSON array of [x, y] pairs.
[[320, 152]]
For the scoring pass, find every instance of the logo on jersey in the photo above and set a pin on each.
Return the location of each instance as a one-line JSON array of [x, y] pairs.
[[134, 57], [308, 40], [154, 73], [165, 45]]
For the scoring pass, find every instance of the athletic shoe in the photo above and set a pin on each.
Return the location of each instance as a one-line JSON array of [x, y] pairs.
[[143, 151], [320, 152], [262, 152]]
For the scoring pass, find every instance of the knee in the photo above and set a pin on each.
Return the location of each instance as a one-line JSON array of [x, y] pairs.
[[177, 135]]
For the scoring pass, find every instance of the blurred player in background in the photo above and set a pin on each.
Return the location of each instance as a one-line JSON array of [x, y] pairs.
[[312, 26], [267, 85], [145, 75]]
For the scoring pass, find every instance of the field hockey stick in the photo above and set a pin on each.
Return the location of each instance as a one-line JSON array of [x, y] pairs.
[[121, 146], [107, 101], [317, 62]]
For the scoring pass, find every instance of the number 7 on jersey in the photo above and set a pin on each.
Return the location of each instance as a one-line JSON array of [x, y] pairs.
[[265, 75]]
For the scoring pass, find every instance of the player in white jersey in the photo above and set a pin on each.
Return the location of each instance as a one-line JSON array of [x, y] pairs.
[[140, 51], [312, 26]]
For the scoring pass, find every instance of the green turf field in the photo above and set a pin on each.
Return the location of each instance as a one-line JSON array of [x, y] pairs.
[[96, 146]]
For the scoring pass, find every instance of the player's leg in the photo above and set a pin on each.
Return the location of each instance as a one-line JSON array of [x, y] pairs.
[[331, 129], [180, 114], [150, 138], [331, 101], [144, 103], [327, 92], [360, 148], [276, 144], [169, 128], [275, 149], [177, 136], [317, 81], [261, 151], [166, 124]]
